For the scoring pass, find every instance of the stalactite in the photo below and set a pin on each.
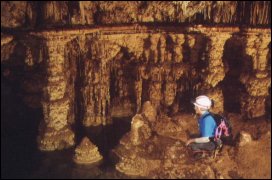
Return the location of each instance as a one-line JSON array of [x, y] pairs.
[[162, 48], [138, 87], [29, 58], [170, 92], [179, 70], [138, 84], [88, 89], [155, 94], [153, 48], [178, 55]]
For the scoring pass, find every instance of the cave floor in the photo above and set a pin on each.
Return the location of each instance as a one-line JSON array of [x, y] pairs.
[[250, 161]]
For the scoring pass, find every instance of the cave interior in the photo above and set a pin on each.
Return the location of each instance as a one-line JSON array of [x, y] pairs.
[[79, 69]]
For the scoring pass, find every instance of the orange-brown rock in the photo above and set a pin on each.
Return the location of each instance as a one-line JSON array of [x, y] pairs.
[[87, 153], [51, 139]]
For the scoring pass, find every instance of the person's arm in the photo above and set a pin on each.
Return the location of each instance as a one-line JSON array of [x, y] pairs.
[[198, 140]]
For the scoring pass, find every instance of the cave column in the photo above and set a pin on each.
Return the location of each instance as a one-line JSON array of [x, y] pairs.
[[55, 131], [257, 82], [215, 69]]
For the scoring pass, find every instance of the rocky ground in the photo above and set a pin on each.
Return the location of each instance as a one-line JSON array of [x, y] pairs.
[[165, 156]]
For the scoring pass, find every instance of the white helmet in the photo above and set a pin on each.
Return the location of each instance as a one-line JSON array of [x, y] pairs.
[[203, 102]]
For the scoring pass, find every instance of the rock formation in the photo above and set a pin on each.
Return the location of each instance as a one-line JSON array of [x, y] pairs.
[[89, 74], [84, 63], [87, 153]]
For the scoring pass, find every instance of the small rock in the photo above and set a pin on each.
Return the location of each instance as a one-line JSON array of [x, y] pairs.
[[245, 138]]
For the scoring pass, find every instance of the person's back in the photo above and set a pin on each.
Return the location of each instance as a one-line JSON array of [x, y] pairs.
[[207, 125]]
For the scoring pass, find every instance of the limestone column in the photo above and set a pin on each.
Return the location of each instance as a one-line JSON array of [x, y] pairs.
[[55, 131], [215, 67], [258, 81], [215, 70]]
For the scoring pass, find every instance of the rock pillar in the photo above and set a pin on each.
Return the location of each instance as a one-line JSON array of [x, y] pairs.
[[55, 131]]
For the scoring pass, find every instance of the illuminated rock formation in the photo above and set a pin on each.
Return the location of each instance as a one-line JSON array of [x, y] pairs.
[[79, 64], [140, 124], [245, 138], [257, 84], [87, 153], [92, 73], [144, 150], [51, 139], [137, 166], [56, 101]]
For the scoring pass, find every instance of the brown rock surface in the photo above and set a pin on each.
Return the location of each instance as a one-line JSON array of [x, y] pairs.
[[87, 153]]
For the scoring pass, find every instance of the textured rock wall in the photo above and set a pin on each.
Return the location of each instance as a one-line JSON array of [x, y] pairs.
[[258, 82], [58, 13], [89, 74]]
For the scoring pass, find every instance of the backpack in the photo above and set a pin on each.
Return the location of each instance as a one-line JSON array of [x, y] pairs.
[[223, 129]]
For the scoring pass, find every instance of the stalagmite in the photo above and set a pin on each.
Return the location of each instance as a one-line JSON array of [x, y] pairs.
[[87, 153]]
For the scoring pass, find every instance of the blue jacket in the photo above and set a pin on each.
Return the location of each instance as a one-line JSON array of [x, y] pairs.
[[207, 125]]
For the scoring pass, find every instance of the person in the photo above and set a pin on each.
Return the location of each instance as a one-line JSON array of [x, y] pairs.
[[207, 126]]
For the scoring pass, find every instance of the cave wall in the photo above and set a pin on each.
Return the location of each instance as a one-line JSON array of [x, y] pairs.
[[29, 14], [87, 75]]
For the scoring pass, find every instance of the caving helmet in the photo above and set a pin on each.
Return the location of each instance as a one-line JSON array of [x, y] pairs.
[[203, 102]]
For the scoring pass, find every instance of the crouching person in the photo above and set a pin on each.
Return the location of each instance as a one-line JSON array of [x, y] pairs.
[[207, 126]]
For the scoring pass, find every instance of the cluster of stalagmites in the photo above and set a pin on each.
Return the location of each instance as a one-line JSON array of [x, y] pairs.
[[87, 153], [150, 150], [139, 150]]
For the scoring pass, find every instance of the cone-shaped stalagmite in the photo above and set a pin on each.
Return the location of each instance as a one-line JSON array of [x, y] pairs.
[[87, 153]]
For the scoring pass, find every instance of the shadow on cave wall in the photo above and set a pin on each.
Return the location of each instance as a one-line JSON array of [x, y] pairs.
[[19, 130], [21, 110], [234, 58], [195, 58]]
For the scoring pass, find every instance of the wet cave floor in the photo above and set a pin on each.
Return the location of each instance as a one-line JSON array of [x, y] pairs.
[[20, 157]]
